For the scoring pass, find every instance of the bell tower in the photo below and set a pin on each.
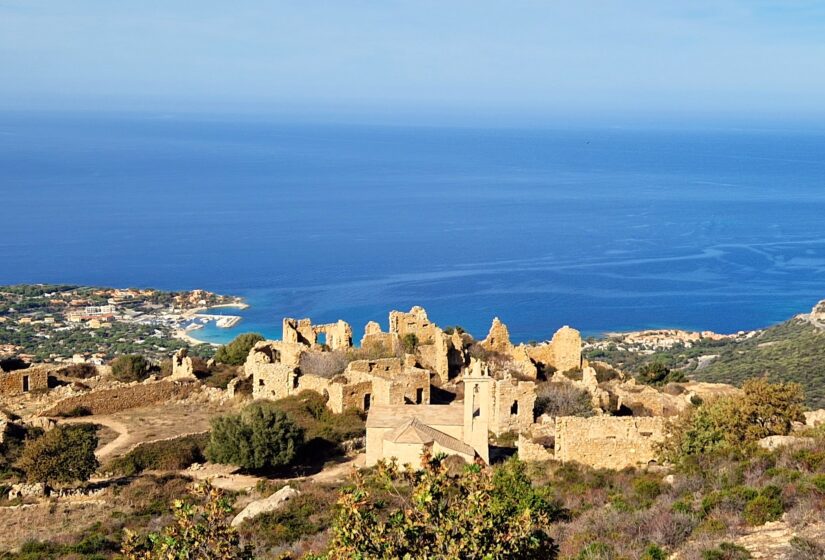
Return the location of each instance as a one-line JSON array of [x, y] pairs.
[[477, 407]]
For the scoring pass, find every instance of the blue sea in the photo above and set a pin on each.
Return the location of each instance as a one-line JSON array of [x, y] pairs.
[[600, 228]]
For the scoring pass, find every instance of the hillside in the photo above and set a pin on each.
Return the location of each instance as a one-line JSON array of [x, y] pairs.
[[790, 351]]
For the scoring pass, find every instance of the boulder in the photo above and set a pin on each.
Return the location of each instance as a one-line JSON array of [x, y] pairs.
[[23, 490], [272, 503], [814, 418]]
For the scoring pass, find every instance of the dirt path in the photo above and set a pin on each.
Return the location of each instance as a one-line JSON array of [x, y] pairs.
[[226, 477], [120, 443]]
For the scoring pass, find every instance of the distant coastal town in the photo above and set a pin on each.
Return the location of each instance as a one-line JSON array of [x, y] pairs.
[[78, 324]]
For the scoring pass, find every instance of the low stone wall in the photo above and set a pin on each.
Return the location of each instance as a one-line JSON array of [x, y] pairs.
[[529, 450], [109, 401], [608, 442]]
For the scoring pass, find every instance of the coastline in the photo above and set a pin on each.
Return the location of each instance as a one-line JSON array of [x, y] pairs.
[[182, 334]]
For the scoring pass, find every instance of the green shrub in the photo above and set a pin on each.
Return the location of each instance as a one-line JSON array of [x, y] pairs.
[[658, 374], [762, 509], [726, 551], [235, 353], [260, 437], [132, 367], [168, 455], [818, 482], [596, 551], [63, 455], [654, 552], [77, 412]]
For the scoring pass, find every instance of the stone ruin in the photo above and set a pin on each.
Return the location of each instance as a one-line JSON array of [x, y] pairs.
[[416, 357], [337, 336], [275, 369], [21, 381], [182, 367]]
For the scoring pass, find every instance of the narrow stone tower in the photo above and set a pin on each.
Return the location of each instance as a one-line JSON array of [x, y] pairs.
[[477, 408]]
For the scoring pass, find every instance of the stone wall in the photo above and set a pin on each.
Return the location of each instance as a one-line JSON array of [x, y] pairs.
[[338, 335], [109, 401], [608, 442], [531, 451], [182, 367], [21, 381], [513, 402], [562, 353]]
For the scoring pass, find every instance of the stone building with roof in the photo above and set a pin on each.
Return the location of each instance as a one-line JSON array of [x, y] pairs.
[[406, 432]]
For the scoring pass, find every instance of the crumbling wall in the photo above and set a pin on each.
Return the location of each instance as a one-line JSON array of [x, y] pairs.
[[109, 401], [415, 322], [273, 368], [182, 367], [344, 395], [338, 336], [532, 451], [609, 442], [374, 337], [21, 381], [498, 339], [513, 402], [562, 353]]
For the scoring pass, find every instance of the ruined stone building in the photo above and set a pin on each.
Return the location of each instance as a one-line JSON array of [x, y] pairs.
[[21, 381], [404, 433], [337, 336], [182, 367], [275, 371], [561, 353], [444, 354]]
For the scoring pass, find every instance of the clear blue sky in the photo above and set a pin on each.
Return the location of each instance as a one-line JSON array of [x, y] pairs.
[[548, 57]]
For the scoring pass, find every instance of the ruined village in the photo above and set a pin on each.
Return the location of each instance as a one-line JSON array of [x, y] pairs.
[[421, 391]]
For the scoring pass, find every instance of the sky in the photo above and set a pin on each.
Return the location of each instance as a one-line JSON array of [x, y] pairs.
[[444, 57]]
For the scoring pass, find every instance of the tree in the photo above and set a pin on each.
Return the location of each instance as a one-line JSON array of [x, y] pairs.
[[235, 353], [260, 437], [201, 532], [433, 515], [763, 409], [132, 367], [63, 455], [657, 373]]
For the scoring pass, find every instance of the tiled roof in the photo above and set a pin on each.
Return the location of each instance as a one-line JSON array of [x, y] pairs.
[[391, 416], [414, 431]]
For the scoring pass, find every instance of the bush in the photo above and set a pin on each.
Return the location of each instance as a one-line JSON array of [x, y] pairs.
[[168, 455], [131, 367], [442, 517], [323, 364], [763, 508], [562, 399], [76, 412], [654, 552], [235, 353], [596, 551], [730, 423], [657, 373], [63, 455], [201, 532], [260, 437], [79, 371], [726, 551]]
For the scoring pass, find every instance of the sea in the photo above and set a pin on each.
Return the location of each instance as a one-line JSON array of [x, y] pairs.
[[603, 228]]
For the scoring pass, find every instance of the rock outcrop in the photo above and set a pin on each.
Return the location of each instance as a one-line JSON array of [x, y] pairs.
[[272, 503]]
